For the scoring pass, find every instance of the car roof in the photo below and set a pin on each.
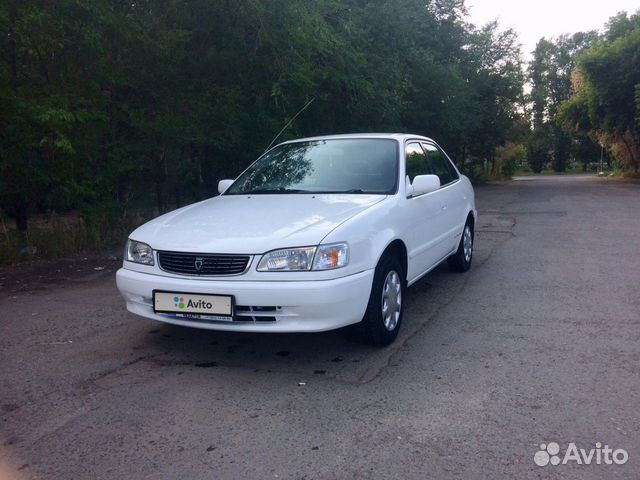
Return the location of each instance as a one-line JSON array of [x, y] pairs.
[[393, 136]]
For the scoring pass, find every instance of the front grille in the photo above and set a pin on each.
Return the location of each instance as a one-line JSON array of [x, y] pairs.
[[209, 264]]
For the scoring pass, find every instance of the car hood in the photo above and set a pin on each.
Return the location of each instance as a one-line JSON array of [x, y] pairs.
[[252, 224]]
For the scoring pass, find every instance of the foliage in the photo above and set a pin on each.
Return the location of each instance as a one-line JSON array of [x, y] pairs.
[[112, 106], [605, 102], [511, 157], [550, 78], [538, 150]]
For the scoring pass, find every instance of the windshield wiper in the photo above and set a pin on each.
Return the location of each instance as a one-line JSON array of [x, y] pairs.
[[353, 190], [259, 191]]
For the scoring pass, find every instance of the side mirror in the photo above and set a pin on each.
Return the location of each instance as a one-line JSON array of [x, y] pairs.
[[408, 188], [425, 184], [223, 185]]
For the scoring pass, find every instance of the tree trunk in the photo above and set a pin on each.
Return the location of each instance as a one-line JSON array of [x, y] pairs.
[[632, 158], [159, 198], [21, 213], [178, 196]]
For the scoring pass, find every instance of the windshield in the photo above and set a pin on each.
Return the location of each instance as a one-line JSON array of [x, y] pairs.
[[323, 166]]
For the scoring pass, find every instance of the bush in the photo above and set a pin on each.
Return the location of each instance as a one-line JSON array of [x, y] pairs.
[[511, 157], [475, 172], [54, 235]]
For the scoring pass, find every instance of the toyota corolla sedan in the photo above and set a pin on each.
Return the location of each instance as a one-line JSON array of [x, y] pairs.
[[316, 234]]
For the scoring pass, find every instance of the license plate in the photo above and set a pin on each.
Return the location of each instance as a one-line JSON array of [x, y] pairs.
[[186, 304]]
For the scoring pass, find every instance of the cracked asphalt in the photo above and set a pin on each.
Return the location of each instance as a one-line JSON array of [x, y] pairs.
[[539, 342]]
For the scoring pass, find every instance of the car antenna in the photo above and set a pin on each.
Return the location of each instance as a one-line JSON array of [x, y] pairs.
[[288, 123]]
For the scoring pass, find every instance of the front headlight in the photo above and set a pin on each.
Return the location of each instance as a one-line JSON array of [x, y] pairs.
[[138, 252], [287, 259], [324, 257]]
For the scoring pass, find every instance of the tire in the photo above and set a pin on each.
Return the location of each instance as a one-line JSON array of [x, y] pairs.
[[383, 316], [461, 260]]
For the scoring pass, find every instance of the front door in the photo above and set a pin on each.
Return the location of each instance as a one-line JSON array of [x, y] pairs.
[[426, 243]]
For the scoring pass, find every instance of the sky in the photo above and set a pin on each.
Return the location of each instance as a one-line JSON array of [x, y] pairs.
[[547, 18]]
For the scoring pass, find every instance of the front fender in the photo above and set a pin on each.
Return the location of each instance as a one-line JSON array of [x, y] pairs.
[[368, 234]]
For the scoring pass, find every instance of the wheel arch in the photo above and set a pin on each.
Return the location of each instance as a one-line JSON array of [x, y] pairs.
[[471, 219], [398, 249]]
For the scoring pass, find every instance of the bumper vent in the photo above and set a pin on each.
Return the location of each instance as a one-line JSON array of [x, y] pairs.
[[255, 314], [203, 263]]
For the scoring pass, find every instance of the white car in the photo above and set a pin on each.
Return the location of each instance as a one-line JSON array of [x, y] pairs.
[[317, 234]]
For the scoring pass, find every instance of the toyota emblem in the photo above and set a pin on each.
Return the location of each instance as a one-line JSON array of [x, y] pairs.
[[199, 263]]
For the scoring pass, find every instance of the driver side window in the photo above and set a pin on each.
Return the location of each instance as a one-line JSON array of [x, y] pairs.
[[416, 161]]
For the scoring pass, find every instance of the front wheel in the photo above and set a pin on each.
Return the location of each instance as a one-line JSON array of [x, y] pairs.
[[383, 316], [461, 260]]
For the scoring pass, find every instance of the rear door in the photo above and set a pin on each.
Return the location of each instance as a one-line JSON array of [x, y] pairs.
[[452, 202]]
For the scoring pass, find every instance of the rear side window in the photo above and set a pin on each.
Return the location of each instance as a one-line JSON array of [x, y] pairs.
[[440, 164], [416, 161]]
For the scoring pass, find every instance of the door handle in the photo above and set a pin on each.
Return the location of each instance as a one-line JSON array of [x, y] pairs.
[[443, 206]]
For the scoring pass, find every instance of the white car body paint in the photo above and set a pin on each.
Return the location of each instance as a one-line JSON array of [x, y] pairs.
[[429, 225]]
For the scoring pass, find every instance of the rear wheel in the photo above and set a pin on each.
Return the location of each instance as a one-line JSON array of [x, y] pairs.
[[461, 260], [383, 316]]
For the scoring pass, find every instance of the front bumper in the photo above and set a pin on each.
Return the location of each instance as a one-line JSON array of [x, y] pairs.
[[300, 306]]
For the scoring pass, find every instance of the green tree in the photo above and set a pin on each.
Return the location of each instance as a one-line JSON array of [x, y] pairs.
[[605, 102], [550, 78], [111, 106]]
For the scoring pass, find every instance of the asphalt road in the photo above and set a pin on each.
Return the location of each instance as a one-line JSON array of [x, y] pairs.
[[538, 343]]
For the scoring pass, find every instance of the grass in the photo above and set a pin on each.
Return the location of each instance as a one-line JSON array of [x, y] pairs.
[[568, 171], [55, 236]]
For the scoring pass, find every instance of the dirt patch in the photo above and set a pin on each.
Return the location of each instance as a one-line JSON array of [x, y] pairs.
[[45, 274]]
